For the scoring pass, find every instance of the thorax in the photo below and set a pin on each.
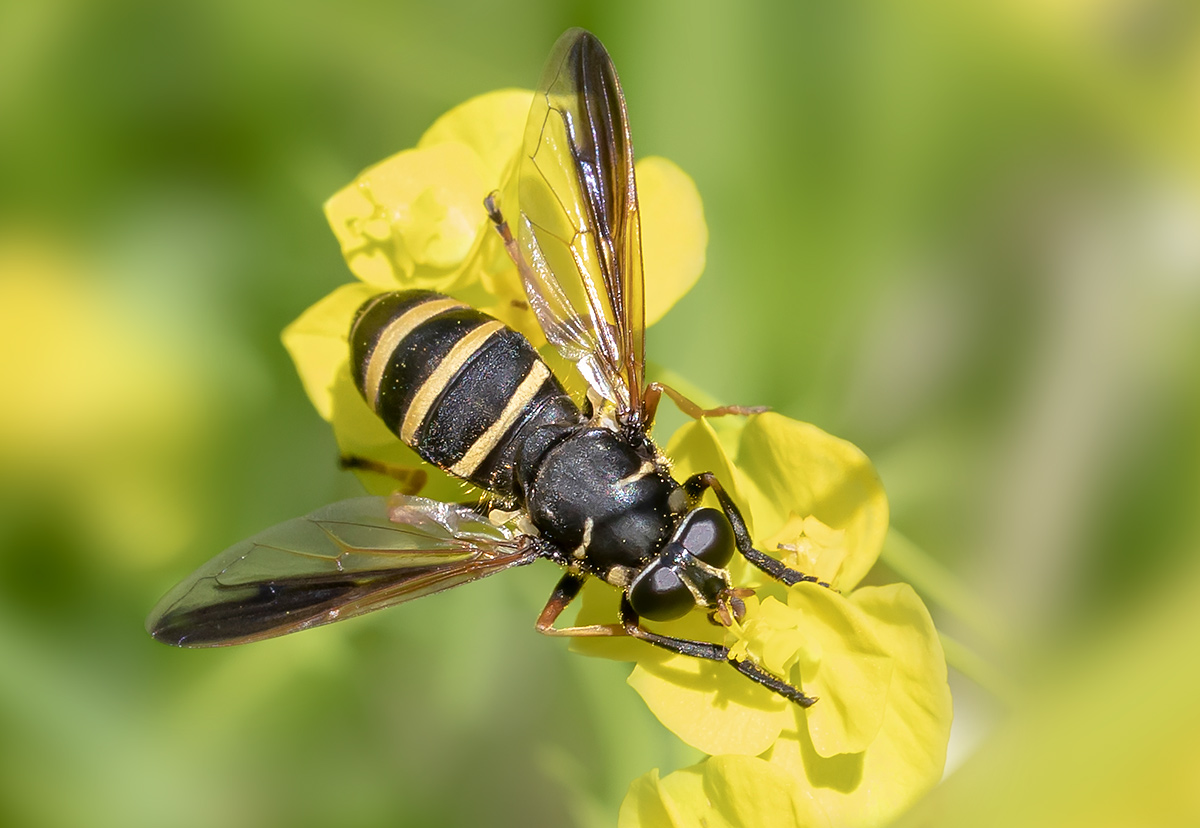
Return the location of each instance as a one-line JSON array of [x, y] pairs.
[[604, 499]]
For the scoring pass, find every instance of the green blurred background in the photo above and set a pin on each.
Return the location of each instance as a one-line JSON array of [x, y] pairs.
[[965, 236]]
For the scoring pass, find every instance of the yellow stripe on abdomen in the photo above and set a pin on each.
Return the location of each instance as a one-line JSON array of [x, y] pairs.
[[391, 337], [516, 405], [447, 369]]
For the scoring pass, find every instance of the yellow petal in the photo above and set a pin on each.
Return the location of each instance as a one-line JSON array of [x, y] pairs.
[[674, 234], [705, 703], [840, 661], [908, 754], [491, 125], [645, 805], [318, 342], [848, 669], [410, 220], [730, 791], [708, 704], [752, 793], [798, 469]]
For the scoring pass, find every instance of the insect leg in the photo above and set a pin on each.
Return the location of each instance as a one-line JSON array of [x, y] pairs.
[[655, 390], [712, 652], [695, 487], [411, 480], [567, 588]]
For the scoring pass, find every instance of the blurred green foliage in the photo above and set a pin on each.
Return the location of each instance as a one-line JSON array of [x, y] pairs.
[[964, 236]]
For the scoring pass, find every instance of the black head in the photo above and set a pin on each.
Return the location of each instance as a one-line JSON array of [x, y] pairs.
[[689, 570]]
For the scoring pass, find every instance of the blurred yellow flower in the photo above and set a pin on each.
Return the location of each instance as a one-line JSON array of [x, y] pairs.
[[876, 739], [102, 410]]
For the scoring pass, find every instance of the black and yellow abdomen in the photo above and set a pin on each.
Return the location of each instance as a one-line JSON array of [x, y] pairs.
[[461, 388]]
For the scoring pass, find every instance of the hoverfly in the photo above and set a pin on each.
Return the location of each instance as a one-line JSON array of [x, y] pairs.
[[472, 396]]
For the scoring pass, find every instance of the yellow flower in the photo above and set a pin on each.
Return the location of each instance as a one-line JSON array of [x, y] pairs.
[[723, 792], [416, 220], [876, 739]]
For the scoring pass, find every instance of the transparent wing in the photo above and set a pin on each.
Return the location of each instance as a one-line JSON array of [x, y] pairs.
[[579, 228], [343, 560]]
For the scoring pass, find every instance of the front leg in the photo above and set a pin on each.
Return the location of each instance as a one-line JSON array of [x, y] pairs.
[[713, 652], [697, 484]]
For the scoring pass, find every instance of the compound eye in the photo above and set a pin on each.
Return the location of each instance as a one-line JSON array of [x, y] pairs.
[[708, 535], [658, 593]]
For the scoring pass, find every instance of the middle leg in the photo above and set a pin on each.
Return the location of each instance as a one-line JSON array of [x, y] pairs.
[[713, 652], [564, 593]]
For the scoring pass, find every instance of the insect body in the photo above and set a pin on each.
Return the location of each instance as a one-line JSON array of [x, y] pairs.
[[473, 397]]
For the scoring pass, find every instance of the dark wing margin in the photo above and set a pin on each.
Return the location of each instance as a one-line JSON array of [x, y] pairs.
[[579, 228], [343, 560]]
